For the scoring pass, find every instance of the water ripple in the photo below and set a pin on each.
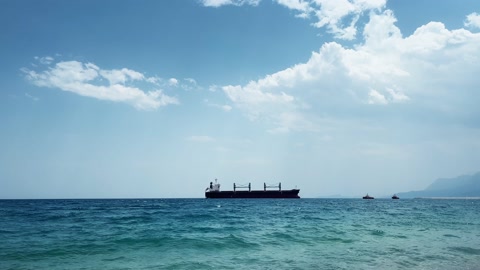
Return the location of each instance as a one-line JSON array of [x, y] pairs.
[[240, 234]]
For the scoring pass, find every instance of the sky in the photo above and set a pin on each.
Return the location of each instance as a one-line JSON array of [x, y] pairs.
[[155, 99]]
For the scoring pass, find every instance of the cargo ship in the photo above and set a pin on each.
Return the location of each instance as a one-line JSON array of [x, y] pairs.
[[213, 192]]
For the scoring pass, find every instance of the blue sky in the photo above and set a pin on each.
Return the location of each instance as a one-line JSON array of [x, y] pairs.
[[109, 99]]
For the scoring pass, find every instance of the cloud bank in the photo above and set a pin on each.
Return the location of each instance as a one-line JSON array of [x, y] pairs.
[[434, 67], [340, 17], [87, 79]]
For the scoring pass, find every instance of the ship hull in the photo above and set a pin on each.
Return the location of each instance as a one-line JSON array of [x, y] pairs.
[[254, 194]]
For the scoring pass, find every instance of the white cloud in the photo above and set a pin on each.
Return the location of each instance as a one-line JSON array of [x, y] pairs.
[[214, 88], [303, 7], [200, 139], [219, 3], [333, 14], [154, 80], [173, 82], [381, 32], [397, 96], [473, 20], [259, 104], [46, 60], [123, 75], [340, 17], [31, 97], [250, 94], [85, 79], [433, 66], [189, 84], [226, 108], [376, 98], [191, 81]]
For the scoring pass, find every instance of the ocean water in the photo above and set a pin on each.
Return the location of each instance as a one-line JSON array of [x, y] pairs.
[[240, 234]]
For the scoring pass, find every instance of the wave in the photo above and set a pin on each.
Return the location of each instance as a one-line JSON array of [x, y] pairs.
[[466, 250]]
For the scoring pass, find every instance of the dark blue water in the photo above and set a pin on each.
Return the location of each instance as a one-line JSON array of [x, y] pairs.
[[240, 234]]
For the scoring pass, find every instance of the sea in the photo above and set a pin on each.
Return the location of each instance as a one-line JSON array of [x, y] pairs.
[[240, 234]]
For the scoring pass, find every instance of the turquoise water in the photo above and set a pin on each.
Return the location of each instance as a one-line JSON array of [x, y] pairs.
[[240, 234]]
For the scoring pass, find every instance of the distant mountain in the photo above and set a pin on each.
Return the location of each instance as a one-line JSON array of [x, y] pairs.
[[462, 186]]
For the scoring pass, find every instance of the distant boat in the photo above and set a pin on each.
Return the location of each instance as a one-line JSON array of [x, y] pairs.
[[395, 197], [368, 197]]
